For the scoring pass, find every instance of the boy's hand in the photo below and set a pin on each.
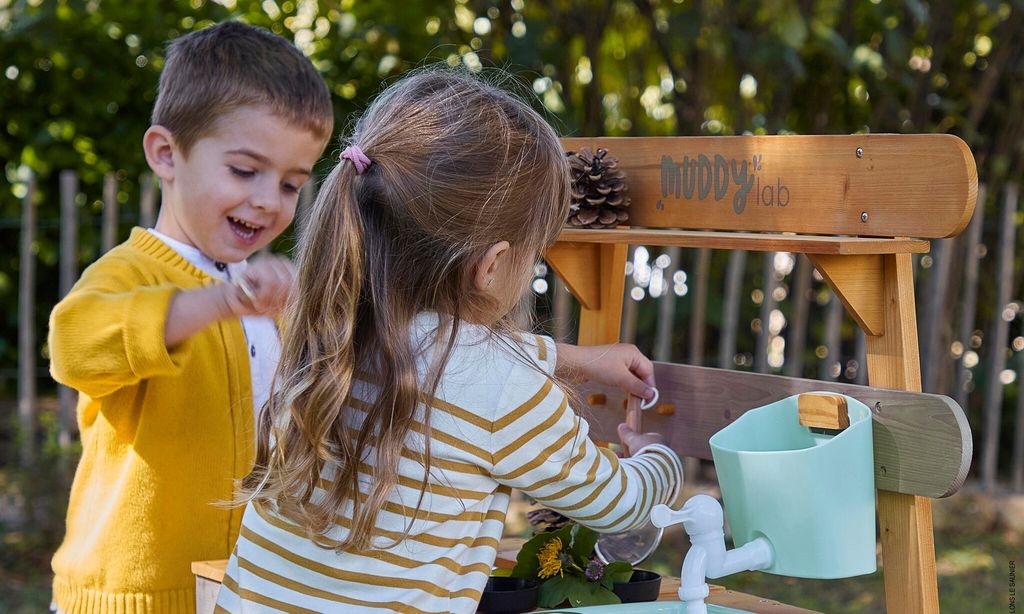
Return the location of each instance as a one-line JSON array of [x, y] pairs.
[[634, 441], [263, 289], [621, 365]]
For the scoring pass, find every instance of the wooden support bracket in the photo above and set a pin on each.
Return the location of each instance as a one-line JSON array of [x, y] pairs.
[[857, 281], [595, 274]]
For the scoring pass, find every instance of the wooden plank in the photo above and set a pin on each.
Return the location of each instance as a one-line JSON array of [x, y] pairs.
[[922, 442], [857, 281], [27, 325], [865, 184], [756, 605], [904, 519], [211, 570], [752, 241]]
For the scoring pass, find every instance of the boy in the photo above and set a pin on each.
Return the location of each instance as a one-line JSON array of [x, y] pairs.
[[169, 337]]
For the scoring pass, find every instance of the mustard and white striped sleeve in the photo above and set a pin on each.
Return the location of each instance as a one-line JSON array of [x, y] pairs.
[[540, 446]]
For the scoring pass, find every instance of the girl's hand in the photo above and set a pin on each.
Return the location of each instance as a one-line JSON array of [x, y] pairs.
[[263, 289], [633, 441], [621, 365]]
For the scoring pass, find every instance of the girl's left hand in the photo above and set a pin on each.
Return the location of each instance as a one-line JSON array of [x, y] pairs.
[[620, 364]]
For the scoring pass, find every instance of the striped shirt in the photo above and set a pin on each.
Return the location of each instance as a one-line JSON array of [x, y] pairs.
[[496, 424]]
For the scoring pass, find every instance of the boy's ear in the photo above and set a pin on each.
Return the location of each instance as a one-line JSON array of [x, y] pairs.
[[488, 270], [160, 146]]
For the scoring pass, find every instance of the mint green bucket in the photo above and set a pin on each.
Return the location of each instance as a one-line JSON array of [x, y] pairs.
[[812, 495]]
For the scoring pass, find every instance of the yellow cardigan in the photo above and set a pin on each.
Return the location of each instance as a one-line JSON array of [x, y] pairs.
[[164, 434]]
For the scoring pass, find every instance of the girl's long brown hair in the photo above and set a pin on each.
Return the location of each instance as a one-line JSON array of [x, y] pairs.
[[457, 166]]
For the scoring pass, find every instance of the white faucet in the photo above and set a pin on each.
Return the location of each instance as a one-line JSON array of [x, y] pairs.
[[707, 558]]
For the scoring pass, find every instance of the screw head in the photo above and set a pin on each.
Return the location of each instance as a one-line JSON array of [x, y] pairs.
[[860, 152], [863, 216]]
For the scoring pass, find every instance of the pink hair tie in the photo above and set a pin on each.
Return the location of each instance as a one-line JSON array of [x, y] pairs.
[[357, 157]]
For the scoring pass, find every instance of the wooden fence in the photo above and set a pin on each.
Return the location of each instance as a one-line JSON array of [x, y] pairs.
[[789, 294]]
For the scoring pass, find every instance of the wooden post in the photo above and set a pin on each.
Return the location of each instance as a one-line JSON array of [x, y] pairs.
[[970, 297], [108, 233], [935, 353], [147, 200], [699, 283], [796, 342], [996, 340], [596, 275], [27, 325], [905, 521], [66, 397], [730, 312], [665, 329]]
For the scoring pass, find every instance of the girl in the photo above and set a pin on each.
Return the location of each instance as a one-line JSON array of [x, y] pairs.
[[408, 403]]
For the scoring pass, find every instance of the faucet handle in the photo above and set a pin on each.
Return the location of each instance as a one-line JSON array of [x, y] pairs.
[[663, 516]]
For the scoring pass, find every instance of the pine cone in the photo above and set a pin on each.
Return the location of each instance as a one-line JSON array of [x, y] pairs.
[[553, 519], [598, 190]]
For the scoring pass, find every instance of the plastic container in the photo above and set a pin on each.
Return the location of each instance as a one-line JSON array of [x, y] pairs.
[[811, 494]]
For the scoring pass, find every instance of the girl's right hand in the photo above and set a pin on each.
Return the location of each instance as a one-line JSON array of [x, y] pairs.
[[633, 441], [263, 289]]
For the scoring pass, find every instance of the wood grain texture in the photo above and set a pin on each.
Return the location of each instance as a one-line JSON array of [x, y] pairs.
[[922, 442], [823, 411], [578, 264], [857, 281], [751, 241], [904, 520], [907, 185], [600, 326]]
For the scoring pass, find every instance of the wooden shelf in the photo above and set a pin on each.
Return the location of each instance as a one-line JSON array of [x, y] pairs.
[[751, 241]]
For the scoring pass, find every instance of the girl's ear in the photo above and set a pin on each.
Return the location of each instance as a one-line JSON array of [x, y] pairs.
[[159, 145], [490, 269]]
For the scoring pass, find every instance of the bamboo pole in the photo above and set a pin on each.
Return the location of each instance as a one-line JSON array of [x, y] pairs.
[[108, 231], [561, 309], [767, 306], [996, 340], [833, 322], [627, 332], [1017, 462], [147, 201], [66, 397], [26, 325], [797, 329], [730, 313], [667, 311], [969, 297], [861, 378], [695, 343], [935, 357]]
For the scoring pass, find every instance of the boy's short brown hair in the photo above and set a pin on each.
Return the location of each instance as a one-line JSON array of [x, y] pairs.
[[214, 71]]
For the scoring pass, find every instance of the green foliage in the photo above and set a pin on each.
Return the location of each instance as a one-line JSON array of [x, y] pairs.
[[575, 552]]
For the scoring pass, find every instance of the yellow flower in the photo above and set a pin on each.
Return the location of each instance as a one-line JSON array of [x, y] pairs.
[[550, 559]]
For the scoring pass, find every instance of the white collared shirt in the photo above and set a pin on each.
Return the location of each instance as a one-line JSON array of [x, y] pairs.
[[261, 336]]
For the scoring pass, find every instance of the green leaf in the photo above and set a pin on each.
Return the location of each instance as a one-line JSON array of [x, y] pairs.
[[583, 540], [618, 571], [591, 593], [501, 572], [554, 591]]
